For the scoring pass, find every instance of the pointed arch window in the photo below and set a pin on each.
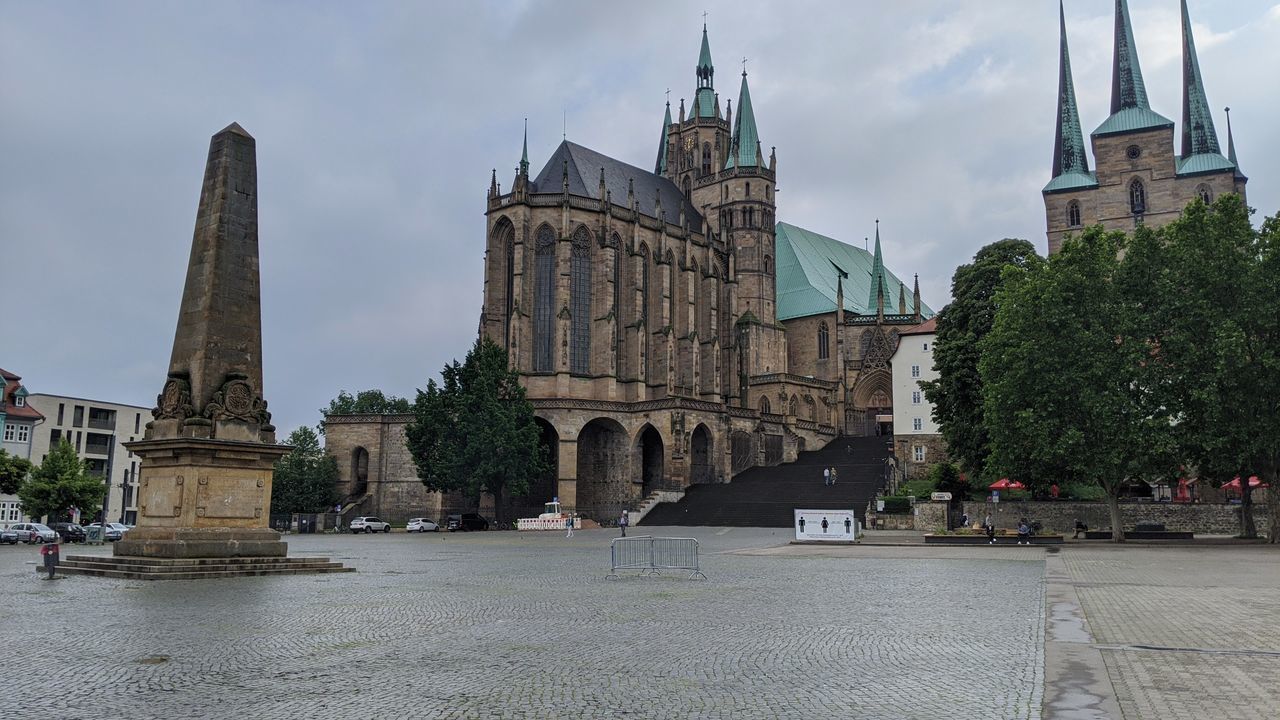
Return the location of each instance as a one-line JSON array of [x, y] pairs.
[[768, 265], [1137, 197], [644, 281], [671, 290], [764, 404], [580, 302], [1205, 195], [1073, 213], [823, 341], [688, 188], [706, 159], [544, 296], [615, 242]]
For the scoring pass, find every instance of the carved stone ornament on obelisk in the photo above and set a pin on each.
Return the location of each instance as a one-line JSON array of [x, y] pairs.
[[207, 457]]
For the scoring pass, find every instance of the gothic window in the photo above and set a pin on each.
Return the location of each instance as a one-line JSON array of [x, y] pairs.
[[1073, 213], [706, 159], [1203, 192], [793, 407], [823, 332], [644, 279], [688, 188], [1137, 197], [671, 290], [730, 217], [580, 302], [750, 217], [768, 265], [618, 256], [544, 297], [748, 189], [764, 404]]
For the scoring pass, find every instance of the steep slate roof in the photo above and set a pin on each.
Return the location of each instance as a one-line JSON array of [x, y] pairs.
[[1130, 109], [806, 276], [1201, 152], [1070, 161], [584, 167]]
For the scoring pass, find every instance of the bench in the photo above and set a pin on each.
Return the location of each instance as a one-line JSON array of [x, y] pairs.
[[1141, 535]]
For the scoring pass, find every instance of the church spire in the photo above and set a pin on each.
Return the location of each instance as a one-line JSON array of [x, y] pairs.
[[1068, 145], [661, 166], [524, 152], [876, 300], [1231, 148], [704, 100], [1127, 88], [743, 149], [1198, 134]]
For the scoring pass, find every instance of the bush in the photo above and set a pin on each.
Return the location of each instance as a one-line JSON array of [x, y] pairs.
[[897, 505], [920, 488], [1083, 491]]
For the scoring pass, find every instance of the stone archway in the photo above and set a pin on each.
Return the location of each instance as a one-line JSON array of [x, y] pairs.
[[545, 487], [359, 472], [701, 470], [604, 486], [649, 458]]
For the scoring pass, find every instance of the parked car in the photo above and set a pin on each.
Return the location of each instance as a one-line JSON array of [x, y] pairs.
[[8, 536], [113, 531], [70, 532], [369, 524], [421, 525], [466, 521], [34, 532]]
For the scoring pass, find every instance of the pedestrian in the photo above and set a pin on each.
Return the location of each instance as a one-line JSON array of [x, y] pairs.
[[833, 476], [622, 523], [991, 530], [964, 520], [826, 476], [49, 553], [568, 523], [1024, 532], [1080, 527]]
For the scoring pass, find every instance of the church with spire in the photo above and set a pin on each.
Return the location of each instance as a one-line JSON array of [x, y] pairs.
[[1140, 176], [668, 329]]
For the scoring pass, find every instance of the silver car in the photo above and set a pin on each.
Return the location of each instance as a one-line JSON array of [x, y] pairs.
[[35, 532], [8, 536], [113, 531]]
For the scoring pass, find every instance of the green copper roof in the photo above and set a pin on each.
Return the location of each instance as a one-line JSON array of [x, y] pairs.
[[1203, 163], [1071, 181], [1198, 134], [661, 167], [1070, 162], [742, 152], [705, 102], [1132, 119], [704, 55], [1130, 109], [1231, 148], [807, 274]]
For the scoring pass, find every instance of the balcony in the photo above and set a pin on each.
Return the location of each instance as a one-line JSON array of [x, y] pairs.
[[98, 422]]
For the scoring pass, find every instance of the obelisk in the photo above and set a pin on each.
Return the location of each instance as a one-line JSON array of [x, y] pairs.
[[207, 457]]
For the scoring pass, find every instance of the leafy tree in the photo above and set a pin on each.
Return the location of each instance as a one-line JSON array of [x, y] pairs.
[[1059, 370], [59, 484], [475, 432], [306, 479], [946, 477], [957, 393], [1210, 286], [13, 470], [365, 402]]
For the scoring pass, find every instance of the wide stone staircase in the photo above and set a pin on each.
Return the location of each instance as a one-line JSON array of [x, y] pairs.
[[766, 496]]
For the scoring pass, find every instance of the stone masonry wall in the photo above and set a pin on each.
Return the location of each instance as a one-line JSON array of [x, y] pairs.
[[1207, 519]]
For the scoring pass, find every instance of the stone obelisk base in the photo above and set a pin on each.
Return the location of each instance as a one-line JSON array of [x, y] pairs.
[[203, 498]]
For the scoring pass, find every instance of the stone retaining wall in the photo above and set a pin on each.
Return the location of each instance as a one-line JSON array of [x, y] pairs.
[[1202, 518]]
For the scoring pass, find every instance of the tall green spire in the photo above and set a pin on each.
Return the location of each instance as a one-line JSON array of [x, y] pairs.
[[1231, 148], [1130, 109], [742, 151], [704, 100], [876, 295], [661, 166], [524, 153], [1198, 134], [1127, 88], [1068, 145]]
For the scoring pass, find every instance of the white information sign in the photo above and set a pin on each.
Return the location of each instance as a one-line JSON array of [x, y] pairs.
[[826, 525], [940, 496]]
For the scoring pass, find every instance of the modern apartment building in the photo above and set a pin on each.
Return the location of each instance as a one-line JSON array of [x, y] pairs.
[[98, 431], [18, 421]]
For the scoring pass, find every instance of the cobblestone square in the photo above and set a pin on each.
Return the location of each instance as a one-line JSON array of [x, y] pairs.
[[508, 625]]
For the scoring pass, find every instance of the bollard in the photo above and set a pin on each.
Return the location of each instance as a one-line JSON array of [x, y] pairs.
[[50, 553]]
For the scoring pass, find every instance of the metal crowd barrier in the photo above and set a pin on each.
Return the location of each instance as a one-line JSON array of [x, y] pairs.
[[650, 555]]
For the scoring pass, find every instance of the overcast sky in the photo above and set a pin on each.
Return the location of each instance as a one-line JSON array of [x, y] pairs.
[[378, 123]]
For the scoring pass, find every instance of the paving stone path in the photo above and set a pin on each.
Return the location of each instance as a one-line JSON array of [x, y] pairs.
[[513, 626]]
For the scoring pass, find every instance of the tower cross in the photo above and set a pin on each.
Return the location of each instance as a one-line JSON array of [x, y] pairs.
[[744, 65]]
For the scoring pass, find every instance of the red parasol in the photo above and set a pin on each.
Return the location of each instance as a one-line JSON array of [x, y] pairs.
[[1007, 484], [1254, 482]]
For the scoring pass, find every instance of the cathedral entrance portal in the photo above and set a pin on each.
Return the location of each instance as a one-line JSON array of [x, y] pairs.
[[544, 487], [604, 486], [700, 469], [649, 452]]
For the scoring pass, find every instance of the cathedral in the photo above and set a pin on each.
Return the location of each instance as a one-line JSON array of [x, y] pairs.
[[1139, 177], [668, 329]]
